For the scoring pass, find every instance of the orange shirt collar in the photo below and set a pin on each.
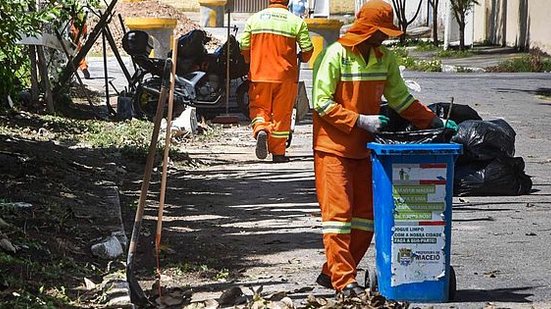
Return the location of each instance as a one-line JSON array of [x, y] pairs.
[[276, 5]]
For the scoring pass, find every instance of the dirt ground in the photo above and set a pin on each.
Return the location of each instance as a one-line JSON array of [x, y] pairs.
[[143, 9]]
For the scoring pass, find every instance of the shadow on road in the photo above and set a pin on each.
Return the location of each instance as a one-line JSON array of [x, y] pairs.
[[496, 295]]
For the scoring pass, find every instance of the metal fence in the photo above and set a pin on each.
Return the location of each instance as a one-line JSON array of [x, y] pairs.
[[247, 6]]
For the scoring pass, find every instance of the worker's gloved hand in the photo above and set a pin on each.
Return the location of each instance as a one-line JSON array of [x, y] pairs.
[[372, 123], [439, 123], [299, 56]]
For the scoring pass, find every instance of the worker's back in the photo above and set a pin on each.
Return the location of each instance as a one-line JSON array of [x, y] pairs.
[[271, 36]]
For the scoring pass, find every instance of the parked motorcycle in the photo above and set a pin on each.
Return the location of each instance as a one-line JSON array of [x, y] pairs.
[[201, 76]]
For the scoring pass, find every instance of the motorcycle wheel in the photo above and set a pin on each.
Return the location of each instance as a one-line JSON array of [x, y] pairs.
[[145, 105], [242, 98]]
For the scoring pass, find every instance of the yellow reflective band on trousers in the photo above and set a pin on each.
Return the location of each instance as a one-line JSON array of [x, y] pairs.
[[336, 227], [280, 134], [362, 224], [257, 120]]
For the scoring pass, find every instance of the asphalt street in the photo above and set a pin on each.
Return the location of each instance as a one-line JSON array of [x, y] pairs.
[[500, 245]]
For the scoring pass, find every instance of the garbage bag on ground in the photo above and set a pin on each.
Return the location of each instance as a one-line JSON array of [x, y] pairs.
[[501, 176], [458, 114], [485, 140]]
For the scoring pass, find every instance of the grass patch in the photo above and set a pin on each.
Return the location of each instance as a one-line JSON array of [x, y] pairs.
[[452, 53], [533, 62], [131, 138], [424, 46], [413, 64]]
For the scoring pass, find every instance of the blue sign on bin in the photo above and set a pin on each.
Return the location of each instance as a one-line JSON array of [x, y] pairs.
[[412, 198]]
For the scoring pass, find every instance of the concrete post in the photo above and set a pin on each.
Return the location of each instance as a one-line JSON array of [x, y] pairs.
[[212, 12], [160, 28], [323, 32]]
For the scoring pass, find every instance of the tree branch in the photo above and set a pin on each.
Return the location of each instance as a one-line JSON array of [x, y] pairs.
[[416, 13]]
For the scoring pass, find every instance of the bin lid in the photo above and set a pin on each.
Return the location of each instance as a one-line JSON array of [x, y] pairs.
[[416, 149]]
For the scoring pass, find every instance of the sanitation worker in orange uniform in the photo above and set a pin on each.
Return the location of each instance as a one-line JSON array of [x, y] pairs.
[[269, 43], [78, 32], [349, 80]]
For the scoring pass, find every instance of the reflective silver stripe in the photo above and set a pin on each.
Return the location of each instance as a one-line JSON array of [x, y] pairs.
[[273, 31], [362, 224], [405, 103], [325, 108], [336, 227], [363, 76]]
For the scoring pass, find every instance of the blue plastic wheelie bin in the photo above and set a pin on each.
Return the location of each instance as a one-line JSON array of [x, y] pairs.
[[412, 204]]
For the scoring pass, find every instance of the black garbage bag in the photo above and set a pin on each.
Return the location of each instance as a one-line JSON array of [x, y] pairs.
[[396, 122], [485, 140], [501, 176], [458, 114], [440, 135]]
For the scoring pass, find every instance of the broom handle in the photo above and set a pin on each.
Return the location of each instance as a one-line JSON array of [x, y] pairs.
[[148, 166], [165, 161]]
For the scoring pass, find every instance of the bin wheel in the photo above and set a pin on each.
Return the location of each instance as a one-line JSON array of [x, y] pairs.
[[453, 284], [371, 279]]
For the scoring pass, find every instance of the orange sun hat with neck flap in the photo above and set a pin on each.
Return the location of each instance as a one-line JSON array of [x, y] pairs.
[[374, 15]]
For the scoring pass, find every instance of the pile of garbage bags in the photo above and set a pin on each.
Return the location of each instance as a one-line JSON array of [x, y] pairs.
[[488, 165]]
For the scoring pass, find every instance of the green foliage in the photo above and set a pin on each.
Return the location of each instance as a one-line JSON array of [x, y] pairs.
[[403, 58], [534, 62], [461, 7], [18, 20], [426, 46], [222, 275], [452, 53], [433, 65]]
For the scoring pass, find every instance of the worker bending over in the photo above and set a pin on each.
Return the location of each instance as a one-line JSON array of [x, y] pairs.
[[349, 80]]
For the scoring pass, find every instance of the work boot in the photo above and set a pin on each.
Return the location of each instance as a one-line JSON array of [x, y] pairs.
[[280, 159], [353, 290], [325, 281], [261, 145], [86, 73]]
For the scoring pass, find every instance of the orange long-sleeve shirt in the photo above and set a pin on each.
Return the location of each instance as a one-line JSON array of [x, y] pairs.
[[269, 43], [345, 86]]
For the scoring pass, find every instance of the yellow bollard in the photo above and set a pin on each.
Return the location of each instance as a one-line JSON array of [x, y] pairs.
[[160, 28], [323, 32], [212, 12]]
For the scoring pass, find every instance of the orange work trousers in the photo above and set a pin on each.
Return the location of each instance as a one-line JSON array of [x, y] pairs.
[[344, 193], [270, 108]]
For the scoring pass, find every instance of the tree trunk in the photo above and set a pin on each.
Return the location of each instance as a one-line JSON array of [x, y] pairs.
[[34, 76], [403, 27], [435, 22], [45, 79], [461, 36]]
